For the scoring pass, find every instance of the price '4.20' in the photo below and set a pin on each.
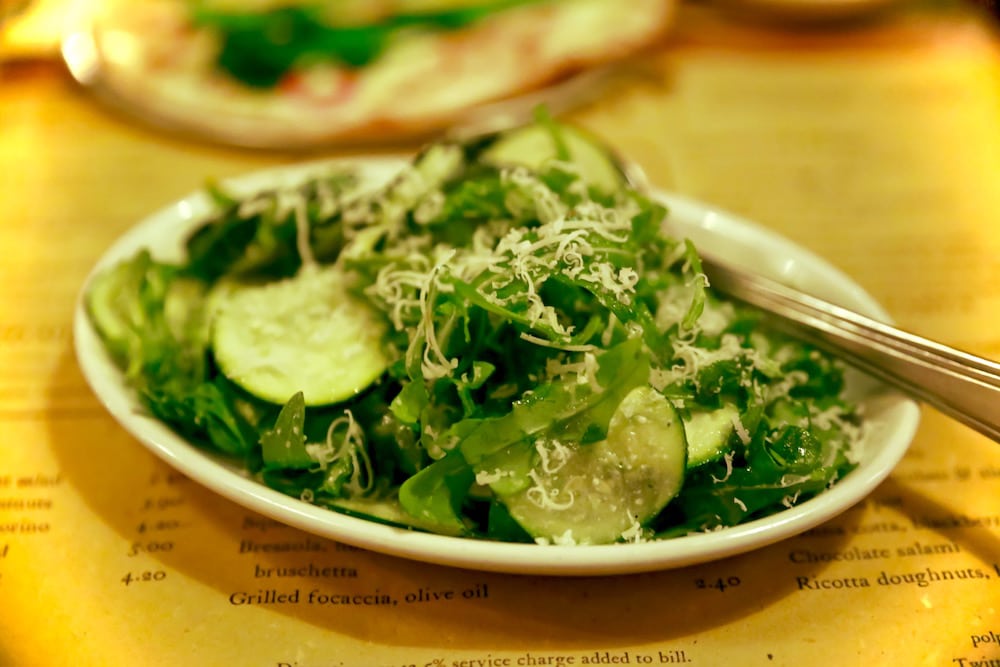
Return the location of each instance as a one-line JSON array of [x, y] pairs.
[[160, 525], [141, 577]]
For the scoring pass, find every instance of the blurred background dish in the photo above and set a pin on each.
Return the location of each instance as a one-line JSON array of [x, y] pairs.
[[299, 74]]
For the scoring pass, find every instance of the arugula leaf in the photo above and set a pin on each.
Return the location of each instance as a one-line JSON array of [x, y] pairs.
[[575, 411], [435, 494], [410, 402], [284, 445]]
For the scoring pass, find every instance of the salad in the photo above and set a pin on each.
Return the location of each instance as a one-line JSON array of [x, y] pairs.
[[503, 342]]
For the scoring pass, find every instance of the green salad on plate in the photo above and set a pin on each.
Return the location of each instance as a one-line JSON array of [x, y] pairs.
[[502, 342]]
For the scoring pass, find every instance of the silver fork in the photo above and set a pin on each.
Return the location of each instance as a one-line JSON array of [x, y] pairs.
[[961, 385]]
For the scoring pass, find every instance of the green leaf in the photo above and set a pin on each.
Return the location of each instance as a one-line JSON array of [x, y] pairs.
[[200, 411], [435, 494], [543, 118], [699, 284], [502, 526], [410, 402], [565, 407], [284, 445], [127, 304]]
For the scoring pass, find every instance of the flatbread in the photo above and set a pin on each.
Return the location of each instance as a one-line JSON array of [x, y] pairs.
[[155, 61]]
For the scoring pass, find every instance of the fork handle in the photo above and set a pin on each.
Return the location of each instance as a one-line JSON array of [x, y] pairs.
[[961, 385]]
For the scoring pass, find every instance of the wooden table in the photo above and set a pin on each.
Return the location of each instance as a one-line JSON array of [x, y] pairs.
[[876, 144]]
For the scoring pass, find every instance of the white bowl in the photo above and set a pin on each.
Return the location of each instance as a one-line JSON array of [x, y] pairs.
[[892, 418]]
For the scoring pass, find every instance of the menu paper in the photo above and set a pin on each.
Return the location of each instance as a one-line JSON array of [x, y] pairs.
[[107, 552], [109, 557]]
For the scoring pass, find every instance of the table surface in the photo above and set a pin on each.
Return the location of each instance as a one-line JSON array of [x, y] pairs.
[[874, 143]]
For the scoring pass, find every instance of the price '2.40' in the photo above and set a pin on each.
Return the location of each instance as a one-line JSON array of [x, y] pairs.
[[720, 584]]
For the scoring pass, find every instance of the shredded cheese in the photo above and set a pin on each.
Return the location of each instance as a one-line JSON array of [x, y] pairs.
[[351, 446], [552, 454], [728, 459], [547, 498]]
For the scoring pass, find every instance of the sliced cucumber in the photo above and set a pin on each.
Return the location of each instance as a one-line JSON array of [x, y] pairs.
[[605, 490], [126, 300], [184, 310], [534, 145], [380, 510], [104, 312], [306, 333], [140, 301], [708, 434], [436, 164]]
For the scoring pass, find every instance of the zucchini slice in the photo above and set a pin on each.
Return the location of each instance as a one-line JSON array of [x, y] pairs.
[[534, 145], [125, 301], [708, 433], [305, 333], [386, 511], [605, 491]]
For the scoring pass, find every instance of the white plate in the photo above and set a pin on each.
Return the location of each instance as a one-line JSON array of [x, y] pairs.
[[177, 110], [143, 60], [893, 418]]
